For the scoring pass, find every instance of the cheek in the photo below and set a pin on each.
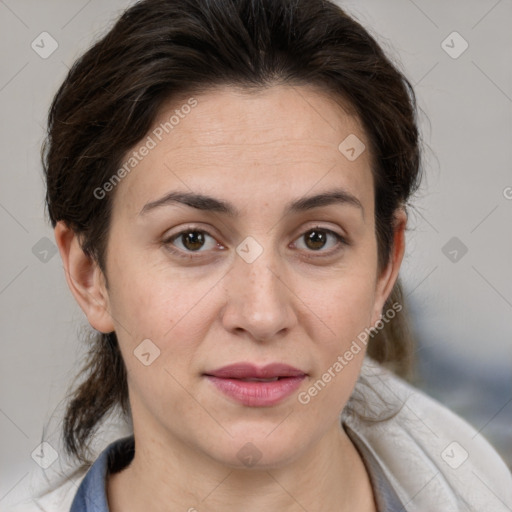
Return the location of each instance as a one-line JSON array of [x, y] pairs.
[[170, 310], [344, 304], [168, 323], [345, 307]]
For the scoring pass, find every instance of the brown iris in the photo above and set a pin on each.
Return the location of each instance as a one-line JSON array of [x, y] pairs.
[[315, 239], [193, 240]]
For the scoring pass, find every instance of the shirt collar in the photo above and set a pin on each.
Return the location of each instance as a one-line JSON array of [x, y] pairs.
[[91, 495]]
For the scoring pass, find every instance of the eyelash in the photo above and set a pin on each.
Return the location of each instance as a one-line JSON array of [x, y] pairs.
[[341, 241]]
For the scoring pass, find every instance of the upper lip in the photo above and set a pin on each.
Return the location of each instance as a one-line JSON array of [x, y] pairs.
[[249, 370]]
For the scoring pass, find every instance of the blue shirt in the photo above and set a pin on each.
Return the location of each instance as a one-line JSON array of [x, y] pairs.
[[91, 495]]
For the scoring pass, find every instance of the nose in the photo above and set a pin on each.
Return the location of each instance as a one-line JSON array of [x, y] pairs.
[[259, 300]]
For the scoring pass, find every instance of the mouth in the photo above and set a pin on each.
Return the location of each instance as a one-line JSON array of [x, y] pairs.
[[261, 380], [249, 371], [255, 386]]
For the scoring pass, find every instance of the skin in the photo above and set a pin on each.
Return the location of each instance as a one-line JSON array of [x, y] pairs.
[[296, 303]]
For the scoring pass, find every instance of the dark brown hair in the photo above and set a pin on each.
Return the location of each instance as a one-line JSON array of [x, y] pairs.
[[162, 49]]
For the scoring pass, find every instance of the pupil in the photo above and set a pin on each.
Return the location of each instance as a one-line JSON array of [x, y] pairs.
[[317, 238], [193, 240]]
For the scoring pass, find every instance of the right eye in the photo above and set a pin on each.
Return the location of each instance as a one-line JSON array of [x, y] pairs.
[[192, 240]]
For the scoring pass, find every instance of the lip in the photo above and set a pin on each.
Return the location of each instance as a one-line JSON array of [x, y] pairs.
[[256, 394], [249, 370]]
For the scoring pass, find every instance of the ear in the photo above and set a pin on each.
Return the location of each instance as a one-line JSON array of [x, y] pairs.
[[389, 275], [85, 279]]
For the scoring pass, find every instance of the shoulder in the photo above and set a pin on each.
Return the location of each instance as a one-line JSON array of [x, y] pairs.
[[433, 457], [58, 493], [56, 497]]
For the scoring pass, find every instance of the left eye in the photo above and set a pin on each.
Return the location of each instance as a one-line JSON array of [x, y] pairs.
[[317, 238]]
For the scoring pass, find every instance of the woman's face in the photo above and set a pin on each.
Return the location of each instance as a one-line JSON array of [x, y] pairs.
[[259, 276]]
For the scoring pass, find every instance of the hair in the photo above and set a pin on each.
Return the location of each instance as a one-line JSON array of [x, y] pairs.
[[159, 50]]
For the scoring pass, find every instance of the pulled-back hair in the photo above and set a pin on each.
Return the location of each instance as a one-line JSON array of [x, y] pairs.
[[164, 49]]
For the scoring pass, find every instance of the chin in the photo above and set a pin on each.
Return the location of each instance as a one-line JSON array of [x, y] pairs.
[[254, 449]]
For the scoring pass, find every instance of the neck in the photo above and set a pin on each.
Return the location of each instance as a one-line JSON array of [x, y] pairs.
[[330, 476]]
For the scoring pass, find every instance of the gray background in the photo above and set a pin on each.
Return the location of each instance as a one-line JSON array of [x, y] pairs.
[[461, 303]]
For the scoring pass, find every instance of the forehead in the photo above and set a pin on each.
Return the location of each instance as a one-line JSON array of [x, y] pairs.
[[234, 141]]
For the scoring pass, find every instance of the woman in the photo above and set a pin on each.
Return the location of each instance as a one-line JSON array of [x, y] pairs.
[[228, 183]]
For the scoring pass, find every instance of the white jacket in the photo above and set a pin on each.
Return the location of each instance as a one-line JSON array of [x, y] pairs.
[[435, 461]]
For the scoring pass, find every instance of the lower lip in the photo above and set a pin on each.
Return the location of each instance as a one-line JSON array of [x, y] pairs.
[[257, 394]]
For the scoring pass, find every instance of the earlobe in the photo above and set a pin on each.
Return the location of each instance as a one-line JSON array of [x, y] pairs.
[[85, 279], [387, 279]]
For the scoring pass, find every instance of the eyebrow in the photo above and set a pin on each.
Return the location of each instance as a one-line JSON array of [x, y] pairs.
[[212, 204]]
